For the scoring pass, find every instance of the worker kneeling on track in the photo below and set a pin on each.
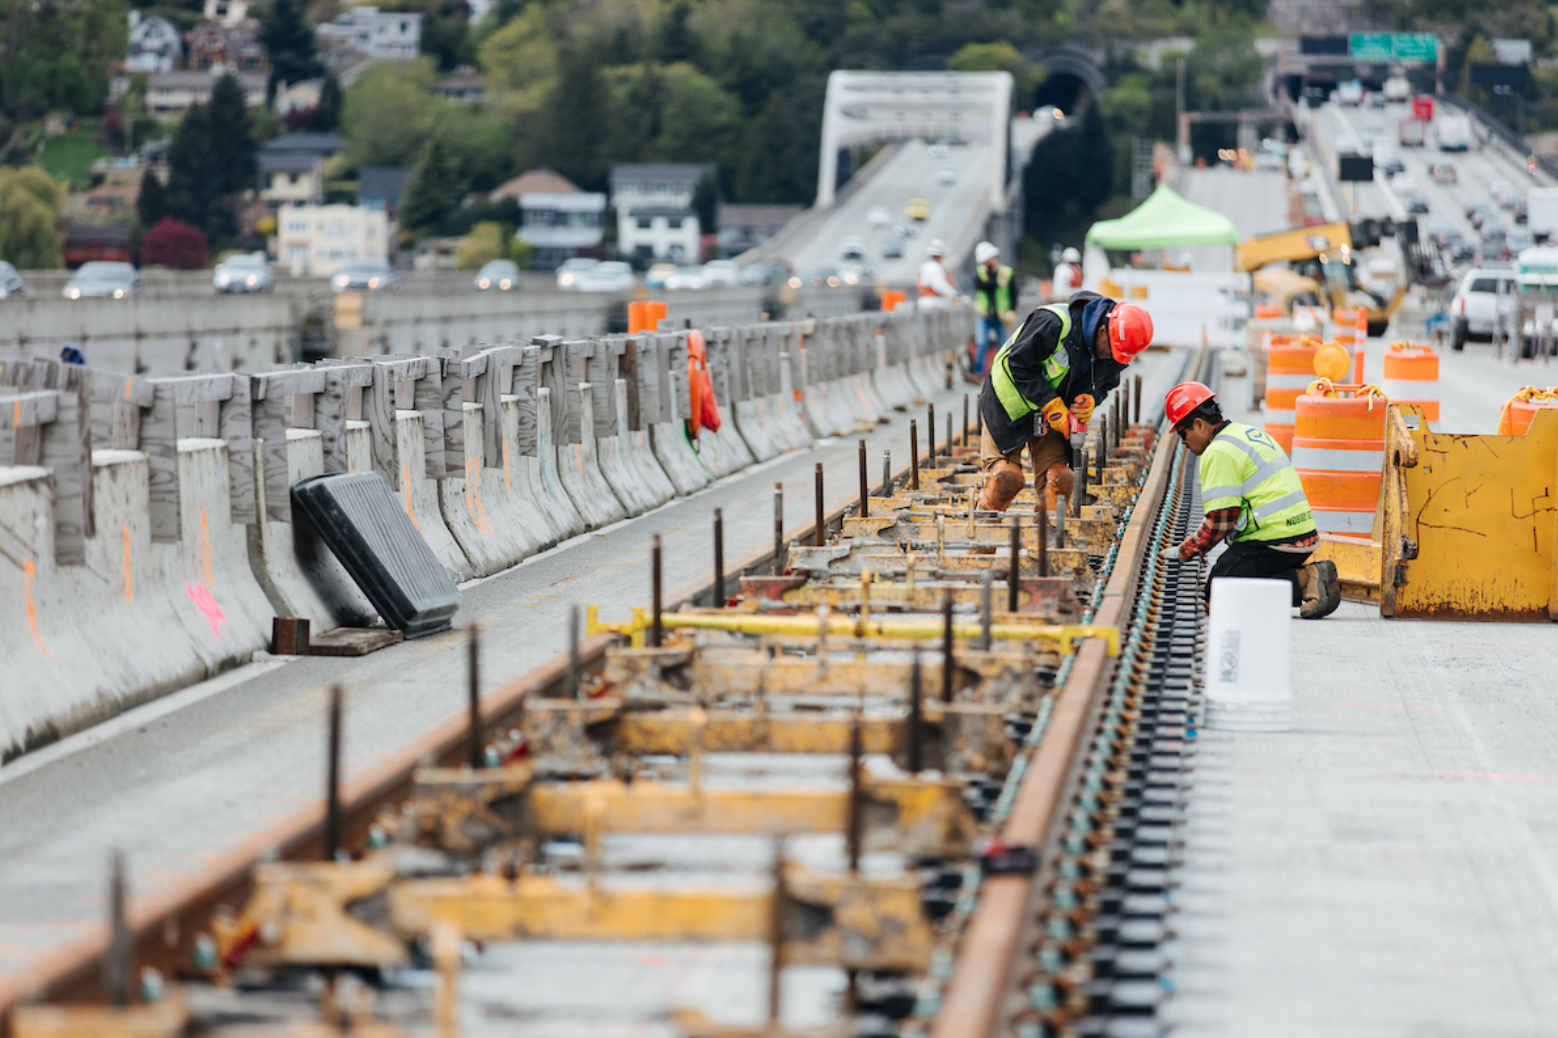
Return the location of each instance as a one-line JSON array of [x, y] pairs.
[[1063, 352], [1252, 497]]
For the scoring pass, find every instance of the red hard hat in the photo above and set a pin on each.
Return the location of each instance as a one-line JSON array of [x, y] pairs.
[[1130, 331], [1185, 398]]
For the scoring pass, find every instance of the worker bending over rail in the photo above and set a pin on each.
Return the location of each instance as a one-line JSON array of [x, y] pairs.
[[1252, 496], [1064, 352]]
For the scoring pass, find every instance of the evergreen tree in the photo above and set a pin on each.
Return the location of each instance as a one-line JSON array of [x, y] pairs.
[[1069, 178], [774, 164], [676, 41], [289, 41], [231, 137], [434, 190], [575, 121], [150, 206], [194, 177], [330, 105]]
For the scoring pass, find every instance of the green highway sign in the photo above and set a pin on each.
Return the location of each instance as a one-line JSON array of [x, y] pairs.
[[1410, 47]]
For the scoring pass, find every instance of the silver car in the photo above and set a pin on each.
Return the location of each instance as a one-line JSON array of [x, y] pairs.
[[366, 275], [247, 272], [498, 276], [609, 276], [104, 279], [10, 281]]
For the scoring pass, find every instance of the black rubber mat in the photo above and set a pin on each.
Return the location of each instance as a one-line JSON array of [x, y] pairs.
[[366, 527]]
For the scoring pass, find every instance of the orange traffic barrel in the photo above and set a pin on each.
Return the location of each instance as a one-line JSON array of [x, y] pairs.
[[893, 297], [1412, 377], [1346, 322], [1339, 452], [1267, 311], [1515, 418], [636, 317], [1289, 370], [654, 313]]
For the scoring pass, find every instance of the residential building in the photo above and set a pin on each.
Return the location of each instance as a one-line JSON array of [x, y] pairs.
[[297, 97], [560, 223], [169, 92], [464, 86], [541, 181], [325, 145], [314, 240], [380, 35], [155, 44], [659, 232], [380, 187], [291, 178], [743, 227], [226, 12], [218, 48], [653, 202]]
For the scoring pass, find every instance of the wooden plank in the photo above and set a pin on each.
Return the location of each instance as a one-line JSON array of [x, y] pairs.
[[495, 381], [269, 417], [65, 449], [552, 376], [160, 443], [27, 408], [353, 641], [75, 382], [427, 396], [627, 370], [526, 382], [651, 379], [330, 411], [599, 371], [235, 425], [452, 383], [380, 407], [676, 374], [573, 374]]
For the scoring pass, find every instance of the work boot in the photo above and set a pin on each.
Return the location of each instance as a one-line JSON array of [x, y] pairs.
[[1324, 593], [1002, 485]]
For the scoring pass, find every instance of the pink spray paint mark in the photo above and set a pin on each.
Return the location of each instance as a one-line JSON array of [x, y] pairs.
[[206, 603]]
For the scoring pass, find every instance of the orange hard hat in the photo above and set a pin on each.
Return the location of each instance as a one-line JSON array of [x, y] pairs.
[[1184, 398], [1130, 331]]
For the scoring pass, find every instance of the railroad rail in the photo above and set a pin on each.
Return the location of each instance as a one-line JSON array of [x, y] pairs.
[[995, 708]]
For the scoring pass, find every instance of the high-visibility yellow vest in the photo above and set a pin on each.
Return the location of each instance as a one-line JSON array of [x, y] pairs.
[[1056, 366], [1243, 467], [1003, 294]]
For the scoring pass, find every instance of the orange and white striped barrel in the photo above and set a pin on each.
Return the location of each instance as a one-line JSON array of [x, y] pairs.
[[1268, 312], [1412, 377], [1290, 367], [1346, 324], [1339, 452], [1515, 418], [1360, 337]]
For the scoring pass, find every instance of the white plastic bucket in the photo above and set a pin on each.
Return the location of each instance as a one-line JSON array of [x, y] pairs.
[[1249, 684]]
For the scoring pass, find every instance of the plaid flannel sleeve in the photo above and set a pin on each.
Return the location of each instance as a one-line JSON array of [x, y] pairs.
[[1219, 523]]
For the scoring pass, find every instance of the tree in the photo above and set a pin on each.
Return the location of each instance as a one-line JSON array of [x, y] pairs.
[[329, 108], [575, 123], [29, 216], [388, 115], [676, 41], [774, 165], [231, 137], [289, 41], [150, 205], [706, 199], [171, 243], [434, 190], [59, 54], [486, 242], [999, 57], [1070, 177]]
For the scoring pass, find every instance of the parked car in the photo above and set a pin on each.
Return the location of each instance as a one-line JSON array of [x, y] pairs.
[[366, 275], [1443, 172], [655, 276], [498, 276], [892, 248], [1417, 202], [852, 248], [104, 279], [572, 269], [917, 209], [947, 175], [1475, 305], [720, 272], [685, 278], [606, 276], [11, 283], [879, 216], [245, 272]]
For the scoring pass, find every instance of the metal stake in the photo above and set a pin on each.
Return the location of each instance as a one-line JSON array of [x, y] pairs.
[[930, 427], [887, 473], [719, 558], [986, 585], [119, 951], [946, 649], [574, 675], [963, 439], [776, 935], [333, 778], [916, 693], [865, 489], [914, 455], [1011, 576], [1043, 536], [778, 529], [821, 529], [1138, 399], [473, 692], [852, 835], [654, 590]]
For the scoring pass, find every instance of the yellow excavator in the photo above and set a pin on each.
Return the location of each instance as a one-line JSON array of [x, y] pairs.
[[1318, 265]]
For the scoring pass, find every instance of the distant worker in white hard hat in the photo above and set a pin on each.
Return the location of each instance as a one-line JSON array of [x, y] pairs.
[[1068, 275], [995, 303], [933, 283]]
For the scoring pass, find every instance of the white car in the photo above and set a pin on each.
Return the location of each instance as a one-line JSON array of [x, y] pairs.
[[685, 278], [1475, 306], [947, 175], [606, 276], [879, 217], [852, 248], [720, 272], [246, 272], [572, 270]]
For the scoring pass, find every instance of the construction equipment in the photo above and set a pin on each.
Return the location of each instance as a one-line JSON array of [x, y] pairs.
[[1324, 259]]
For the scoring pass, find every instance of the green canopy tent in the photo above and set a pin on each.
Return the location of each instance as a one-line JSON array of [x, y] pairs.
[[1164, 221]]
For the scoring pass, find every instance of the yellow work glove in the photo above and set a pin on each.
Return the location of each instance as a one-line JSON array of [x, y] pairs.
[[1008, 317], [1082, 408], [1057, 417]]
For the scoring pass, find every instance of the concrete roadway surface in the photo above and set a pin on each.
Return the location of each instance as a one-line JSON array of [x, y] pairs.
[[957, 211], [188, 777], [1390, 866]]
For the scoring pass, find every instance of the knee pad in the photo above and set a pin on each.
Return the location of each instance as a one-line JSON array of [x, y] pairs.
[[1002, 485]]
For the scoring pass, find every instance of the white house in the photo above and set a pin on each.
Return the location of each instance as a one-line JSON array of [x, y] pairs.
[[226, 12], [168, 92], [655, 218], [380, 35], [560, 223], [314, 240], [155, 44]]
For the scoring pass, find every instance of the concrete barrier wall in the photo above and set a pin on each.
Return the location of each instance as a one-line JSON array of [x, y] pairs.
[[189, 547]]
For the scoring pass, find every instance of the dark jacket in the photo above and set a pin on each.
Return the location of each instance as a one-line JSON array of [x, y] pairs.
[[1039, 337]]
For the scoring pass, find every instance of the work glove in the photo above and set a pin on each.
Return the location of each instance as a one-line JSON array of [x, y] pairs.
[[1057, 417], [1082, 408], [1170, 554], [1008, 317]]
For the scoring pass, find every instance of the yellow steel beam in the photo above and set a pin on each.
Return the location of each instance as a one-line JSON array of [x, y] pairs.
[[165, 1020]]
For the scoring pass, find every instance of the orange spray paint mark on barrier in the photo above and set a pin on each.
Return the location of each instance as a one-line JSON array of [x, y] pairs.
[[129, 583], [473, 504], [405, 483], [205, 549], [209, 608], [508, 484], [127, 389], [16, 415], [29, 571]]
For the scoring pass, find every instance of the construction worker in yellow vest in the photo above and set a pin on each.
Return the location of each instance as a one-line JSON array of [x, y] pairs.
[[1053, 370], [1252, 498], [995, 303]]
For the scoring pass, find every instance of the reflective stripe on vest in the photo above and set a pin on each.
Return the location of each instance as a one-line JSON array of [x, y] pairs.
[[1055, 367], [1271, 498], [1003, 294]]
